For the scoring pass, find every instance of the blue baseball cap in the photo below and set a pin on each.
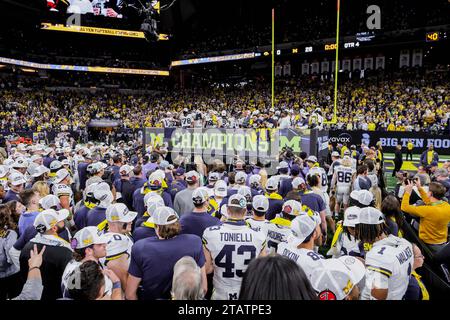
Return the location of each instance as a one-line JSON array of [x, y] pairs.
[[295, 169], [180, 171]]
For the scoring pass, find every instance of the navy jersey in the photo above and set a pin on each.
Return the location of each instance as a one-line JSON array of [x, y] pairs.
[[145, 230], [197, 222], [95, 216], [148, 254]]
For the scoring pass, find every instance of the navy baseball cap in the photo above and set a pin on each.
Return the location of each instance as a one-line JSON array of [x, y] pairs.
[[295, 169], [180, 171]]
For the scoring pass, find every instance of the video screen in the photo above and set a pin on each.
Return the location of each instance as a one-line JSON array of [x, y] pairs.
[[117, 9]]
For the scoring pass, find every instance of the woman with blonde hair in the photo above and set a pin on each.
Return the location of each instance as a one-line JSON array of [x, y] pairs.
[[376, 191], [42, 188]]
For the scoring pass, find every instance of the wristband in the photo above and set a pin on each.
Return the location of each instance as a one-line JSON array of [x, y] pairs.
[[116, 285]]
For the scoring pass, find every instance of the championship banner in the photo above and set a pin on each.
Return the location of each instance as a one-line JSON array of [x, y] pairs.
[[255, 145]]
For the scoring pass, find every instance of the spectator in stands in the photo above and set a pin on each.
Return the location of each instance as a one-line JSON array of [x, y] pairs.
[[434, 215]]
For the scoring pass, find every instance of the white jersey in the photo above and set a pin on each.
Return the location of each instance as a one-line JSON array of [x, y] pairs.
[[388, 266], [323, 177], [346, 245], [278, 230], [68, 279], [186, 122], [60, 190], [308, 260], [333, 167], [344, 178], [232, 245], [167, 122], [260, 226]]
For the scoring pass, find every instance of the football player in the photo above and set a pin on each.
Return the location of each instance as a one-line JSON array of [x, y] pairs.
[[342, 179], [305, 235], [229, 248], [390, 260], [279, 228]]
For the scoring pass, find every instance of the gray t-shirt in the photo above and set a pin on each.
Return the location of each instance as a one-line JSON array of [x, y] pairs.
[[183, 202]]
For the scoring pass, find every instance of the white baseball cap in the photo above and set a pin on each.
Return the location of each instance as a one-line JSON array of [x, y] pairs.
[[220, 188], [354, 195], [104, 196], [4, 170], [55, 165], [16, 178], [302, 227], [117, 247], [297, 182], [246, 192], [152, 203], [35, 157], [118, 212], [61, 174], [351, 216], [39, 171], [237, 201], [163, 216], [283, 165], [370, 215], [86, 237], [65, 162], [260, 203], [240, 177], [255, 179], [192, 176], [8, 162], [334, 280], [49, 201], [213, 176], [20, 163], [49, 218], [48, 150], [311, 159], [365, 197], [335, 154], [200, 195], [292, 207], [150, 195], [125, 170], [272, 184], [98, 166]]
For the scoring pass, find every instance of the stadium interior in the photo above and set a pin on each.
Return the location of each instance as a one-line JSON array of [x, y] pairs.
[[324, 83]]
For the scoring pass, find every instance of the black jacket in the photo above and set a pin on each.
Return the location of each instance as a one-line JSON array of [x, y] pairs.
[[54, 262], [398, 157]]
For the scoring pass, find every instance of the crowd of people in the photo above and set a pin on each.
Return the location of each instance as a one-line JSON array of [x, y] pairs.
[[404, 103], [98, 221]]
